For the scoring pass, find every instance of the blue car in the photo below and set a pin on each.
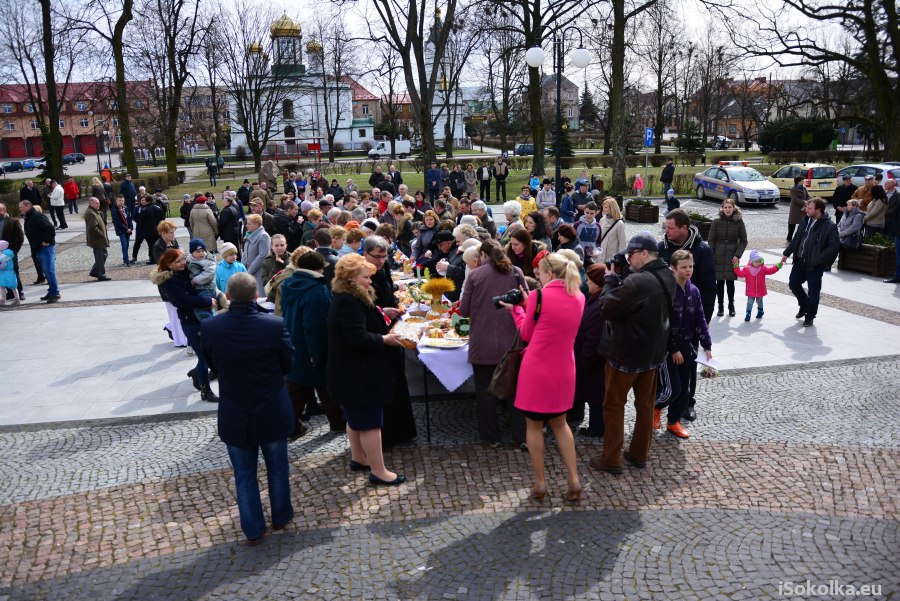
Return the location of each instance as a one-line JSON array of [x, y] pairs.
[[29, 164]]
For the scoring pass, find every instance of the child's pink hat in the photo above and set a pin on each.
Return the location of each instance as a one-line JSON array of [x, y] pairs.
[[755, 255]]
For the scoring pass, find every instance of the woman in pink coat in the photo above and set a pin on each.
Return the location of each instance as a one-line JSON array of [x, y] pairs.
[[546, 385]]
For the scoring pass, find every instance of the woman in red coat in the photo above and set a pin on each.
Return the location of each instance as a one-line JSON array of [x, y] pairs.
[[546, 386]]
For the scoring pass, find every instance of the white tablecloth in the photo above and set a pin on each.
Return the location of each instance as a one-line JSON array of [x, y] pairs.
[[450, 366]]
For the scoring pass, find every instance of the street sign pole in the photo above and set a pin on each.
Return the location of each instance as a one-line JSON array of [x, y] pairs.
[[648, 142]]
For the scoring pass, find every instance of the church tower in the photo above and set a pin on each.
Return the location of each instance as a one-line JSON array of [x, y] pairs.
[[286, 38]]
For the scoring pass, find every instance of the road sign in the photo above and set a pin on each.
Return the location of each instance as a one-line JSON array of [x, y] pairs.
[[648, 137]]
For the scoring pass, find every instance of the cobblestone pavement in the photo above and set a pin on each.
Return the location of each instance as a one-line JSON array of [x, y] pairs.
[[784, 479]]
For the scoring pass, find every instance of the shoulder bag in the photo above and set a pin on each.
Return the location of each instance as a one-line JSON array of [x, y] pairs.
[[506, 374]]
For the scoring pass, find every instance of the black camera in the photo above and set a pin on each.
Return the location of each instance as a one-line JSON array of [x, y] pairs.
[[619, 263], [513, 297]]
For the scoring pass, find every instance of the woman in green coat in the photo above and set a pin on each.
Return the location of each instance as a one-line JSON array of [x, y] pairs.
[[728, 240]]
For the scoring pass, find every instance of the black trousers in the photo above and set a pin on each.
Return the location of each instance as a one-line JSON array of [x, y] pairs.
[[99, 268], [720, 291], [60, 213], [485, 190], [301, 395], [501, 196], [791, 228], [486, 406]]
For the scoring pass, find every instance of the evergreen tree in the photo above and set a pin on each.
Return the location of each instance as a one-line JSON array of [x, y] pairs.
[[590, 114], [565, 144], [689, 139]]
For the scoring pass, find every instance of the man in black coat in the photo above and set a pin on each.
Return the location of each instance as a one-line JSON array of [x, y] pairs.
[[41, 235], [667, 176], [147, 221], [840, 197], [229, 223], [30, 193], [815, 247], [322, 244], [286, 224], [254, 409]]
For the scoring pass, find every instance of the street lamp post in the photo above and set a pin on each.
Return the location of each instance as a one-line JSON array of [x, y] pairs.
[[580, 58], [94, 128]]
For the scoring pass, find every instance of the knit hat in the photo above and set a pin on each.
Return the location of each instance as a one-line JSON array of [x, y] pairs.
[[443, 236], [186, 197], [755, 255], [352, 225], [305, 206], [468, 219], [196, 243], [227, 248], [201, 199], [641, 241], [312, 261], [596, 273], [371, 225], [567, 230]]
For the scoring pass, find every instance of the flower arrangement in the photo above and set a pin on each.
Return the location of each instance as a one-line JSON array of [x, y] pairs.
[[437, 287], [709, 372]]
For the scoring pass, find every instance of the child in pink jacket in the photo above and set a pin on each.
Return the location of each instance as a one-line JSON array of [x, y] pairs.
[[755, 273]]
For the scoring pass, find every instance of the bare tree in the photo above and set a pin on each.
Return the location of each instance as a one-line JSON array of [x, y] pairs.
[[166, 54], [332, 63], [502, 59], [657, 48], [388, 72], [108, 20], [459, 47], [872, 26], [260, 95], [214, 106]]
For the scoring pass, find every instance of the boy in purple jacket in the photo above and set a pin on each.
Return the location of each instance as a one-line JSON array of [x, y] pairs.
[[686, 322]]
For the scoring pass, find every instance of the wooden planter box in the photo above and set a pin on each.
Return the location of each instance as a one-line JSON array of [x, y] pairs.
[[642, 214], [703, 227], [873, 260]]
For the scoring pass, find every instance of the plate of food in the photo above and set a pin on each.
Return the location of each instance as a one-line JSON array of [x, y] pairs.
[[408, 332], [444, 343]]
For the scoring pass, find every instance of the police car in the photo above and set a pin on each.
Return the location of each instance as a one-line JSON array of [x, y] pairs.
[[737, 181]]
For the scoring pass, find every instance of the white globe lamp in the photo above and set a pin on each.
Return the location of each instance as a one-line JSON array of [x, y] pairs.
[[580, 58], [534, 57]]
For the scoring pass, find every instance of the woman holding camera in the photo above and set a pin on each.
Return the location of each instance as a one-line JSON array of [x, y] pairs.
[[546, 386], [490, 336]]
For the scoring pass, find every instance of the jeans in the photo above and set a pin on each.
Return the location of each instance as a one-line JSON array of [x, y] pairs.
[[666, 187], [47, 256], [245, 462], [811, 276], [192, 331], [759, 305], [123, 240], [36, 261], [212, 179]]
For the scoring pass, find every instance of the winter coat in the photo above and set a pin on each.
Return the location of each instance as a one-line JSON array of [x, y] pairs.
[[456, 271], [892, 214], [799, 196], [335, 191], [254, 407], [160, 247], [71, 190], [32, 195], [822, 246], [636, 314], [875, 213], [612, 232], [851, 224], [575, 246], [13, 233], [355, 346], [546, 197], [95, 229], [127, 189], [432, 179], [864, 195], [704, 277], [121, 220], [423, 242], [38, 230], [57, 197], [229, 225], [224, 271], [687, 315], [529, 205], [547, 376], [492, 328], [567, 209], [728, 239], [457, 182], [149, 218], [271, 266], [178, 290], [471, 181], [257, 245], [305, 303], [204, 225], [756, 278], [589, 364], [99, 192]]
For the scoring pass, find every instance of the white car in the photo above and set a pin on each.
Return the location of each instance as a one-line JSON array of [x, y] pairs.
[[734, 180], [858, 173]]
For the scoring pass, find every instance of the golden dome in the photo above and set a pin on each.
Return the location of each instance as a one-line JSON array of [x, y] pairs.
[[285, 27], [314, 46], [255, 48]]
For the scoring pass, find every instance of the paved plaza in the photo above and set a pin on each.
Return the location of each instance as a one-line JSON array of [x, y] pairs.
[[114, 484]]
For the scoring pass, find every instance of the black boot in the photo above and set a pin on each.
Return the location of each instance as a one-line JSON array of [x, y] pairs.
[[206, 394], [213, 374], [731, 308], [721, 309], [194, 379]]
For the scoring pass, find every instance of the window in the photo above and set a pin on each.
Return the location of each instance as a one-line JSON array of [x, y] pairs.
[[34, 124], [29, 108], [81, 105], [62, 124], [365, 109], [732, 130], [569, 112], [8, 108], [570, 96], [113, 105], [83, 123], [115, 122], [10, 126], [138, 104], [287, 109], [118, 138], [362, 133]]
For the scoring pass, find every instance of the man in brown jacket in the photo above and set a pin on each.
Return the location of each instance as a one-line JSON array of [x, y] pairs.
[[97, 239], [11, 231], [864, 193]]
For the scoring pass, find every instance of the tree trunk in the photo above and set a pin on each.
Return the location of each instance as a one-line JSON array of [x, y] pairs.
[[171, 141], [617, 97], [130, 161], [426, 130], [538, 132], [54, 153]]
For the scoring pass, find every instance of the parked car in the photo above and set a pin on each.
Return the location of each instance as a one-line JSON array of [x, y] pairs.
[[29, 164], [734, 180], [13, 167], [821, 180], [41, 163], [528, 149], [72, 158], [858, 173]]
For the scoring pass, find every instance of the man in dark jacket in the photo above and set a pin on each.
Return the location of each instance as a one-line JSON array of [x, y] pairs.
[[147, 220], [840, 197], [11, 231], [30, 193], [254, 409], [322, 244], [96, 239], [286, 224], [634, 342], [42, 235], [433, 181], [229, 223], [376, 178], [581, 198], [815, 247], [484, 175], [667, 176], [681, 234], [128, 190]]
